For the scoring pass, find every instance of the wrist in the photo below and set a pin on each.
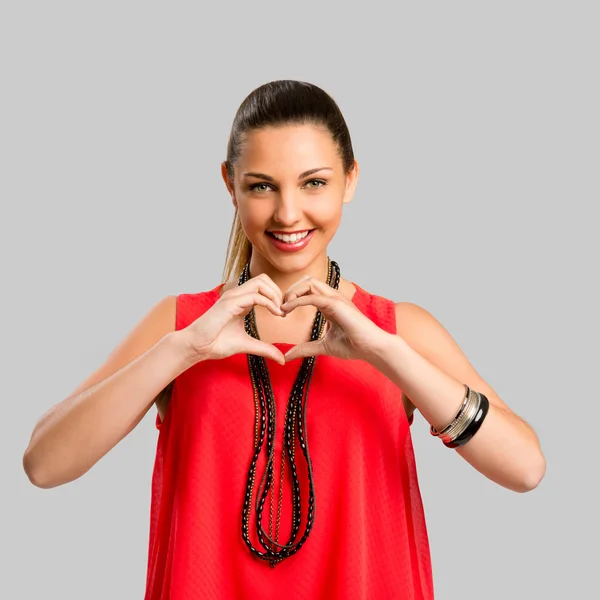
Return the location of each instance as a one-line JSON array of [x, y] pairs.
[[184, 348], [382, 343]]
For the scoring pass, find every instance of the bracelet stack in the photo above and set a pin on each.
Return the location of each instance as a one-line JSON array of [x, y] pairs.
[[468, 420]]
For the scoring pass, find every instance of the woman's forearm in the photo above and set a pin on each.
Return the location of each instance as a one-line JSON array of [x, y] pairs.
[[505, 449], [71, 437]]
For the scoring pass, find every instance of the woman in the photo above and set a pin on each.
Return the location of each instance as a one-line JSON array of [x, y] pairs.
[[238, 436]]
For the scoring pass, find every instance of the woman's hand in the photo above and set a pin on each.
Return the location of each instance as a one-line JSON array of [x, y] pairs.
[[349, 334], [220, 331]]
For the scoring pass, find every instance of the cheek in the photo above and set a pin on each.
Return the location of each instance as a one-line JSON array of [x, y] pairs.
[[253, 216], [327, 215]]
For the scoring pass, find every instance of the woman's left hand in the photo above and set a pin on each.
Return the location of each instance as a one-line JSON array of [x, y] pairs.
[[349, 334]]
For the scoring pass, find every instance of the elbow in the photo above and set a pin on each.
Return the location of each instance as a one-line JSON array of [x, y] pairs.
[[31, 470], [34, 472], [533, 475], [45, 476]]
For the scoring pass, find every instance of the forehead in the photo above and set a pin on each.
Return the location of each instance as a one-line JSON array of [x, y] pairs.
[[295, 146]]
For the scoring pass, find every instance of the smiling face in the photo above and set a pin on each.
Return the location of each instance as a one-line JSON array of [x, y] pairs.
[[290, 180]]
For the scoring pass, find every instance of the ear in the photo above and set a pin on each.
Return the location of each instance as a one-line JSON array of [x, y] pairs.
[[228, 183], [351, 181]]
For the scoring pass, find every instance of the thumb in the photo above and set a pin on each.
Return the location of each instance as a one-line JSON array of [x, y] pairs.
[[259, 348], [304, 349]]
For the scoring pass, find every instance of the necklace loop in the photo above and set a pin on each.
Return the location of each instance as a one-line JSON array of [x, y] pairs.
[[295, 422]]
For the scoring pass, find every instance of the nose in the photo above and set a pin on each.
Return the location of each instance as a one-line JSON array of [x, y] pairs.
[[287, 211]]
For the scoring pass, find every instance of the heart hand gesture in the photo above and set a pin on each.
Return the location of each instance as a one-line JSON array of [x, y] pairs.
[[349, 334]]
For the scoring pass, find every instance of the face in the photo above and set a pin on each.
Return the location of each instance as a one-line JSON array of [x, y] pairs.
[[290, 180]]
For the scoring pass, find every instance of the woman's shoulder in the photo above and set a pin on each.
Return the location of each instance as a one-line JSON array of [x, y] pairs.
[[201, 293], [377, 297], [366, 293], [379, 308], [407, 319], [372, 298], [403, 316], [192, 304]]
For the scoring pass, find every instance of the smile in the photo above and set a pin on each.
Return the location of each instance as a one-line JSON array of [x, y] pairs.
[[290, 243]]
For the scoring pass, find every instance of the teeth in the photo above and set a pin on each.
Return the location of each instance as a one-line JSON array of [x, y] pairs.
[[290, 239]]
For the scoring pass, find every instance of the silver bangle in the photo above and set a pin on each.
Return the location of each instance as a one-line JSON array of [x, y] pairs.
[[469, 415], [459, 414]]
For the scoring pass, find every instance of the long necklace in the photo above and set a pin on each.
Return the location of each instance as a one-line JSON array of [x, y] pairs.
[[295, 421]]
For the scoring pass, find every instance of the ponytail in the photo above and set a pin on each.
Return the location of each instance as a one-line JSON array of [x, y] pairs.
[[239, 250]]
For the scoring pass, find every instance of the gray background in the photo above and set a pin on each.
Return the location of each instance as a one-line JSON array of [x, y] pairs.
[[477, 130]]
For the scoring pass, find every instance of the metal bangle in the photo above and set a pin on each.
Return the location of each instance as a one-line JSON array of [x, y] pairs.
[[465, 418], [469, 415], [459, 419], [474, 426], [460, 412]]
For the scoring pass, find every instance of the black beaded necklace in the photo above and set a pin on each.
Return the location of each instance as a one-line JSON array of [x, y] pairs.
[[295, 420]]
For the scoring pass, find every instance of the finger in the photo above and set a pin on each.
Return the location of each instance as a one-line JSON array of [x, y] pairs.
[[295, 285], [264, 278], [304, 349], [245, 303], [265, 288], [306, 286], [262, 284], [254, 346], [323, 303]]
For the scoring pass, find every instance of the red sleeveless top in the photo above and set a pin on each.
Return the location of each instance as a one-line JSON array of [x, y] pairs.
[[369, 537]]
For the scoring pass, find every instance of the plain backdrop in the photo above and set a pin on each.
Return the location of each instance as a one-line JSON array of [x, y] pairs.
[[476, 126]]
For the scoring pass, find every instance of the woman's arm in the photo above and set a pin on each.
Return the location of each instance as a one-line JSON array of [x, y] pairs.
[[75, 433], [426, 363]]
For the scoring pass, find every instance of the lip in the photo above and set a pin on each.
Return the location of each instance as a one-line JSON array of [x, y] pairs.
[[295, 247], [289, 232]]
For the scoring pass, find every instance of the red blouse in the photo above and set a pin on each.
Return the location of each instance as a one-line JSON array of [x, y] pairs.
[[369, 537]]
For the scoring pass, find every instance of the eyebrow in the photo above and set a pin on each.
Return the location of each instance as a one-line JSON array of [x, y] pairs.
[[269, 178]]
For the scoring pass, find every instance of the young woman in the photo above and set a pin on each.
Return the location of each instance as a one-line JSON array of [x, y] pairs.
[[285, 394]]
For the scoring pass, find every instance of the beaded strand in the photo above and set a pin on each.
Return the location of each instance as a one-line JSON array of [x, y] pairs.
[[295, 419]]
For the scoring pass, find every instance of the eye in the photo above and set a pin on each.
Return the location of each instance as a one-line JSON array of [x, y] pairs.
[[323, 183], [255, 186]]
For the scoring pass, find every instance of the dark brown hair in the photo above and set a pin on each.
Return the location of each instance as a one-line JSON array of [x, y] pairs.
[[278, 104]]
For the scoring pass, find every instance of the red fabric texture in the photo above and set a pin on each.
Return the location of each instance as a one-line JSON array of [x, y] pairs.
[[369, 537]]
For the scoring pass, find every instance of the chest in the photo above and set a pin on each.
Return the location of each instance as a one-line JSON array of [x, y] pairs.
[[349, 403], [295, 328]]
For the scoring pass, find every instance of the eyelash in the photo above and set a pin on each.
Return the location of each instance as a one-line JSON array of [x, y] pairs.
[[255, 185]]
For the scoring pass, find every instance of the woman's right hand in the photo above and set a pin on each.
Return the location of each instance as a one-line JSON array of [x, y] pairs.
[[220, 331]]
